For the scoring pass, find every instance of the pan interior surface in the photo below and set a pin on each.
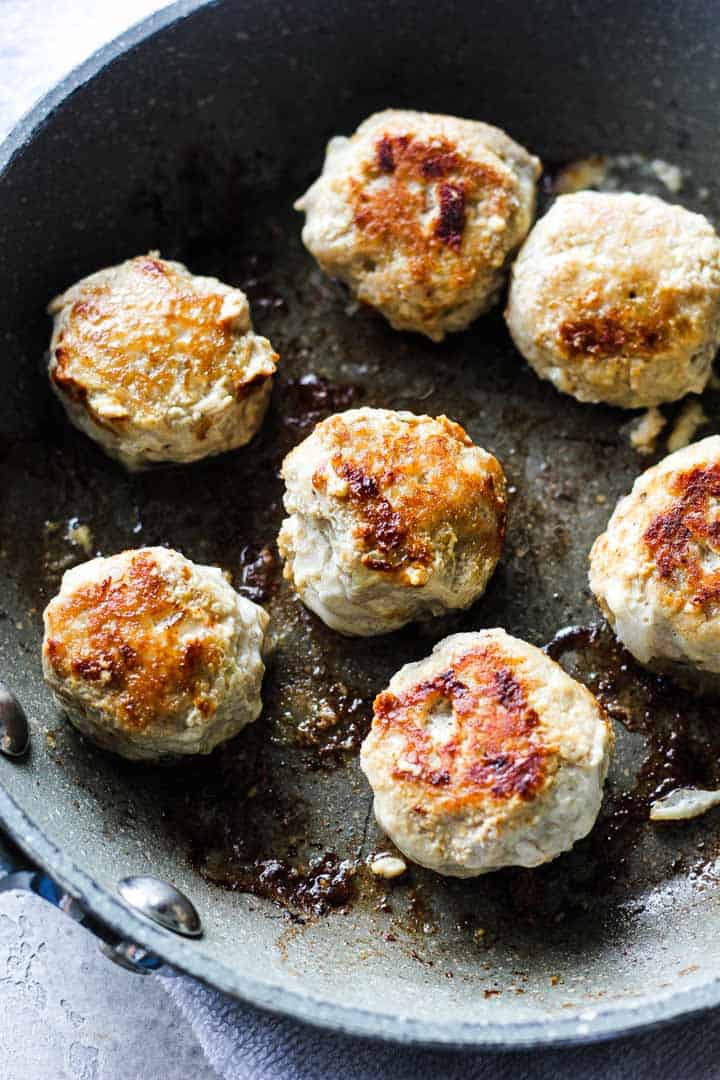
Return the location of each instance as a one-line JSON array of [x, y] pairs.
[[195, 141]]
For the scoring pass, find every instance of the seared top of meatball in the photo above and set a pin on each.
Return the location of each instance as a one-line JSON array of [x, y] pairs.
[[136, 340], [145, 637], [436, 188], [408, 480], [486, 754], [468, 734], [418, 213], [627, 286]]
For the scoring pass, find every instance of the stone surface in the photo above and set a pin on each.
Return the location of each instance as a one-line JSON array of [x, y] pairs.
[[68, 1013]]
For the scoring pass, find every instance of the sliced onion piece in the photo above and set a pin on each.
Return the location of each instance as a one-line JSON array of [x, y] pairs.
[[684, 803]]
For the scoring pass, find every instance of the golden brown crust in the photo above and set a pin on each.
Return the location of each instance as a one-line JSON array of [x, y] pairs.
[[643, 324], [107, 634], [688, 529], [615, 297], [406, 482], [418, 213], [150, 337], [389, 214], [492, 753]]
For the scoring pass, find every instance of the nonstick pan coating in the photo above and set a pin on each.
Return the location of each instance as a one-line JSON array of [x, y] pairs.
[[193, 135]]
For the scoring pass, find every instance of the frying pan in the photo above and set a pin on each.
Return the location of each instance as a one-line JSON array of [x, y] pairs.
[[192, 134]]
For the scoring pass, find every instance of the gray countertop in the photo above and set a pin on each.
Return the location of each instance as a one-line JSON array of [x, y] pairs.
[[69, 1014]]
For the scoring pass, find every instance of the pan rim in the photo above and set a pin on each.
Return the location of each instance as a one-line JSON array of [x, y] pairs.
[[582, 1026]]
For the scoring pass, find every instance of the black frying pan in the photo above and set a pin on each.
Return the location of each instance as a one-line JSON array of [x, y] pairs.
[[193, 134]]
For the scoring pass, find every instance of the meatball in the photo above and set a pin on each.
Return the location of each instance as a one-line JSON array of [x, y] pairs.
[[655, 572], [158, 365], [486, 754], [616, 298], [151, 655], [419, 214], [393, 517]]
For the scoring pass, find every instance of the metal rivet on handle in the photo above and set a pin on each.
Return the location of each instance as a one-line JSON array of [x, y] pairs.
[[14, 730], [162, 903], [131, 957]]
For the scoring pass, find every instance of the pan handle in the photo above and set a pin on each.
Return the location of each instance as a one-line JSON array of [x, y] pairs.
[[18, 872]]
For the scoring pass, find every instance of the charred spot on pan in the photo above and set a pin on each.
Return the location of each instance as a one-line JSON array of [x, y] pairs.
[[451, 221], [333, 727], [247, 831], [312, 397], [258, 573], [254, 275], [572, 639], [325, 884]]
